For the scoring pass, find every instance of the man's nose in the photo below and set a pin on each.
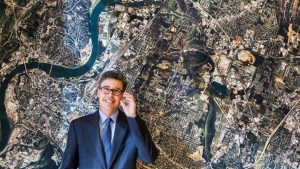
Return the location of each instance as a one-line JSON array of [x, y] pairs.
[[110, 94]]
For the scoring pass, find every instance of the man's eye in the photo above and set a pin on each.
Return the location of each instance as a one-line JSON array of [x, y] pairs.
[[106, 89]]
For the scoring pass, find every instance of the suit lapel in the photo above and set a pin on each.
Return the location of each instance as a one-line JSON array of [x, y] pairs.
[[119, 136], [96, 138]]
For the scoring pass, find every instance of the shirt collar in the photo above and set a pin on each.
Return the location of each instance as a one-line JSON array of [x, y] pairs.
[[103, 116]]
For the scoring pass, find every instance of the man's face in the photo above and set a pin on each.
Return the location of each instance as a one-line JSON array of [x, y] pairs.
[[109, 102]]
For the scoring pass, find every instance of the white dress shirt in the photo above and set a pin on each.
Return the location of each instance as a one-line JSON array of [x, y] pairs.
[[103, 117]]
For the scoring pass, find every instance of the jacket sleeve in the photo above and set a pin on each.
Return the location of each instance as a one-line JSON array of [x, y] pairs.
[[70, 157], [147, 151]]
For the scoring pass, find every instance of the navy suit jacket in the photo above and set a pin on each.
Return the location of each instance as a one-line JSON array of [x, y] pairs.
[[131, 140]]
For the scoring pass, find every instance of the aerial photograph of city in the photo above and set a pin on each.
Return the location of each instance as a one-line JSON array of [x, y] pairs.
[[217, 81]]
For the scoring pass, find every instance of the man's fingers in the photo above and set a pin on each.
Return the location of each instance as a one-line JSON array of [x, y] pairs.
[[128, 95]]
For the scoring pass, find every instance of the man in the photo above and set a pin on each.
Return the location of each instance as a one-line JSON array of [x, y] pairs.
[[110, 138]]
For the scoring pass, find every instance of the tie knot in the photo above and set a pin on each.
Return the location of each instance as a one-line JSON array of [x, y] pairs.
[[108, 120]]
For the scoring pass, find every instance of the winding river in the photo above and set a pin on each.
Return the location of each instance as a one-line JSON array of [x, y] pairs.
[[57, 71]]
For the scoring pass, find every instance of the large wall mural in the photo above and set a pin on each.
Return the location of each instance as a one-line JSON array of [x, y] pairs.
[[216, 81]]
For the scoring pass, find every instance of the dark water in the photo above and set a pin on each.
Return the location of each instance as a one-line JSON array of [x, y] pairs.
[[216, 90]]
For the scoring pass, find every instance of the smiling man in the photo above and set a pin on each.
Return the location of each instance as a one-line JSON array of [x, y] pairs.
[[110, 138]]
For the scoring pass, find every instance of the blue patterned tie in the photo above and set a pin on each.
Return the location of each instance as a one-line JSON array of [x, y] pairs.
[[106, 139]]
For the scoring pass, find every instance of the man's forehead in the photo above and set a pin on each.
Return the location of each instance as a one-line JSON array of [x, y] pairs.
[[111, 83]]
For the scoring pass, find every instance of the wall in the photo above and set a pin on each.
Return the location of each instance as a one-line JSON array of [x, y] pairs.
[[216, 81]]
